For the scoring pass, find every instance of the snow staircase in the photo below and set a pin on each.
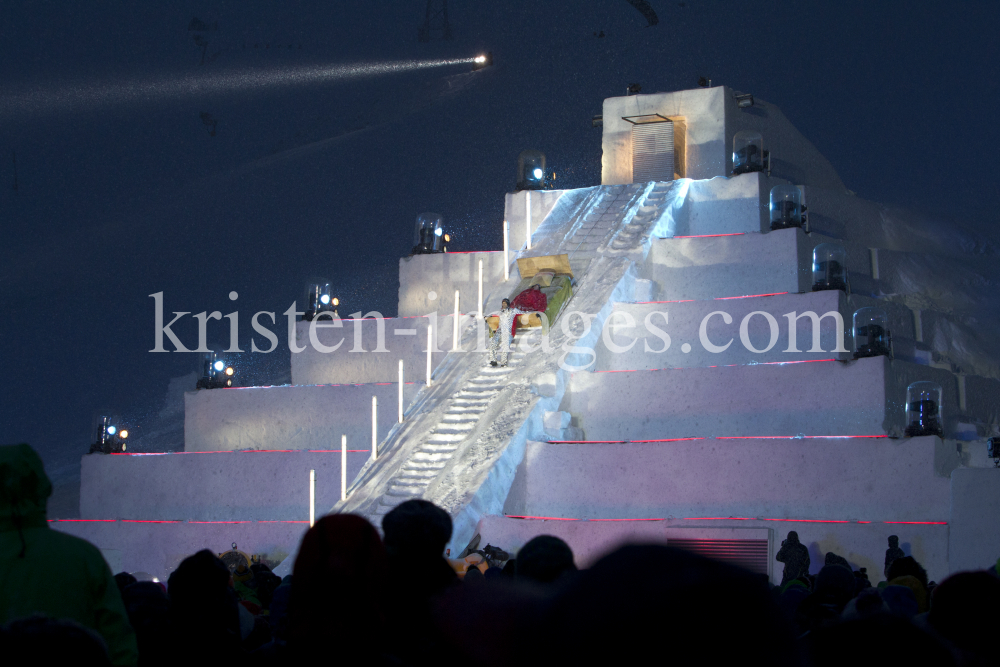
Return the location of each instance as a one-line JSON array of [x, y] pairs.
[[463, 437], [464, 411]]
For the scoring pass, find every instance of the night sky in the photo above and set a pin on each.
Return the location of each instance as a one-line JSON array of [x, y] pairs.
[[121, 195]]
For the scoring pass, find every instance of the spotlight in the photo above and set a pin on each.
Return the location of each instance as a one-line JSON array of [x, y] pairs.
[[319, 299], [786, 207], [336, 301], [923, 409], [109, 438], [215, 373], [447, 238], [633, 89], [993, 451], [872, 337], [531, 170], [829, 267], [429, 236], [744, 100], [481, 61], [749, 154]]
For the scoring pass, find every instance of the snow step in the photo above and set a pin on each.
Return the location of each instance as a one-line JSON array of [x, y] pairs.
[[446, 438], [413, 467], [466, 410], [428, 457], [438, 449], [420, 460], [406, 494], [460, 417], [417, 474], [454, 429]]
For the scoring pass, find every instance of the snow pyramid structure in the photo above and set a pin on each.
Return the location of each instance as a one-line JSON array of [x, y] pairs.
[[695, 389]]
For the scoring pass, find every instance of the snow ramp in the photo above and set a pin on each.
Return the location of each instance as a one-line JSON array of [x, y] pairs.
[[463, 437]]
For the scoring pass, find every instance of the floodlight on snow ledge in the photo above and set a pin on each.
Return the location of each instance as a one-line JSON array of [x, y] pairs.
[[109, 437], [429, 236], [743, 100], [786, 207], [748, 153], [531, 170], [923, 409], [319, 299], [829, 268], [872, 337], [215, 372]]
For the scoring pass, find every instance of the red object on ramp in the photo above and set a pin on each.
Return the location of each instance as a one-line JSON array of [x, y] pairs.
[[532, 299]]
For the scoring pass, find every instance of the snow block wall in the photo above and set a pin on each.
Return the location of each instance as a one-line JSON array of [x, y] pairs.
[[357, 352], [515, 212], [428, 282], [721, 266], [290, 417], [863, 397], [218, 486]]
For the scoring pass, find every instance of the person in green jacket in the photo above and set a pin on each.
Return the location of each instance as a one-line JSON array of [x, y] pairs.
[[43, 571]]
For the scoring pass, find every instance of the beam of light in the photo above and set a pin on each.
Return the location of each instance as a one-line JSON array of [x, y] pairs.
[[91, 96]]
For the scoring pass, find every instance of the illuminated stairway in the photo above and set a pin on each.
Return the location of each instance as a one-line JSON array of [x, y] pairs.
[[464, 436]]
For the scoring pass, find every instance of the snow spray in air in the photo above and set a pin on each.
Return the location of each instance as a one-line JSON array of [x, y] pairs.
[[83, 97]]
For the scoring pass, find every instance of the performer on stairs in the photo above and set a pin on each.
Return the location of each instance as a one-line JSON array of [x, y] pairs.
[[501, 338]]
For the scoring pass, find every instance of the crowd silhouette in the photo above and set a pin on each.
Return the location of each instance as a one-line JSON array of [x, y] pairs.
[[356, 596]]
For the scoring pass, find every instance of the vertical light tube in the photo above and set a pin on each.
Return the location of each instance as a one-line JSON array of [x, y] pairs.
[[374, 427], [400, 391], [429, 333], [480, 302], [343, 467], [527, 215], [506, 244], [312, 498], [454, 328]]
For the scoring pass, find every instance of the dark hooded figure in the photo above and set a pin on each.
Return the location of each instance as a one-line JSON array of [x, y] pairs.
[[43, 571], [204, 617], [891, 554], [545, 559], [336, 603], [795, 556], [638, 600], [836, 559], [416, 533]]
